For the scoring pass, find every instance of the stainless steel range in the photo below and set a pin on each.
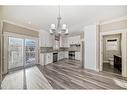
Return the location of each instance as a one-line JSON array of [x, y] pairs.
[[72, 55], [55, 57]]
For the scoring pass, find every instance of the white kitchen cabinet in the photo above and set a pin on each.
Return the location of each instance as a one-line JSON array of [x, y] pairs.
[[64, 42], [49, 58], [73, 40], [61, 55], [41, 59], [46, 58], [77, 55], [66, 54]]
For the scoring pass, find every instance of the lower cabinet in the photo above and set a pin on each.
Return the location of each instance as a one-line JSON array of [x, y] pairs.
[[77, 56], [66, 54], [41, 59], [46, 58], [61, 55], [49, 58]]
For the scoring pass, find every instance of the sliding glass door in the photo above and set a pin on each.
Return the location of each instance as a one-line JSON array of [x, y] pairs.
[[15, 52], [22, 52], [30, 52]]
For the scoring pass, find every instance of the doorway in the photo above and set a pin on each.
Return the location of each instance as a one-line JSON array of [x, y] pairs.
[[112, 54]]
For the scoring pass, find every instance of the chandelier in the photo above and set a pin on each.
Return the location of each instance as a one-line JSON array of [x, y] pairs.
[[60, 28]]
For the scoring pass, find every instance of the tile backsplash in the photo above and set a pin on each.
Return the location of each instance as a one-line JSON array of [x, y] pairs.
[[45, 49], [50, 49]]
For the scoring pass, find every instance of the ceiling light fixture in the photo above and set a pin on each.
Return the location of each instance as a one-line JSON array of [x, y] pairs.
[[60, 28]]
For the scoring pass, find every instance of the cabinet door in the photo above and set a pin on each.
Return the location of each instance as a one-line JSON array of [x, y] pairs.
[[66, 42], [66, 54], [63, 55], [50, 58], [60, 55], [77, 56]]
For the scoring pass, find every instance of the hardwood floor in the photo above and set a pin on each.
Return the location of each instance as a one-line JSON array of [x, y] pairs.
[[67, 74], [29, 78], [110, 68], [64, 74]]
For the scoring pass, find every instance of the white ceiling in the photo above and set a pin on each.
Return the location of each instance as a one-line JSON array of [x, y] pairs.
[[75, 17]]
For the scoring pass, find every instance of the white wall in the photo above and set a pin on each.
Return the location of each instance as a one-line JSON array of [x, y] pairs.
[[90, 41], [45, 39]]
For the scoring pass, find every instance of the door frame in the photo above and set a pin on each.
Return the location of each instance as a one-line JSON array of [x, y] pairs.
[[6, 41], [123, 33]]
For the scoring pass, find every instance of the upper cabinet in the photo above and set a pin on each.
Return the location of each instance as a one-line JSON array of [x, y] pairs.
[[64, 41], [67, 41], [46, 40], [74, 40]]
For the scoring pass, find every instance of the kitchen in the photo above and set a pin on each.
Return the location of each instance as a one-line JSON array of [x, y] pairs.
[[69, 48]]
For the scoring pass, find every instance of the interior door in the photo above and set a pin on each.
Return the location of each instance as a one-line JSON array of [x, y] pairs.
[[15, 52], [30, 52]]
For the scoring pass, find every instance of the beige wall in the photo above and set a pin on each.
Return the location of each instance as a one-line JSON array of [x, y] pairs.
[[109, 53], [117, 25], [19, 30]]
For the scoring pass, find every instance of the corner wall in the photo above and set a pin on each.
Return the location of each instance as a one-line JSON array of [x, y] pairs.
[[90, 45]]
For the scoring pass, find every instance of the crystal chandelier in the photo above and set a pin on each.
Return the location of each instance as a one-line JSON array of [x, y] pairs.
[[60, 28]]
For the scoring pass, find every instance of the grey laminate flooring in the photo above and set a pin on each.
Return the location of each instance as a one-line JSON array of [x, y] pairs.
[[64, 74], [109, 68], [68, 74]]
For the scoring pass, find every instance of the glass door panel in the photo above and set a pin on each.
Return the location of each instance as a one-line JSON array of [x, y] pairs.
[[30, 52], [15, 52]]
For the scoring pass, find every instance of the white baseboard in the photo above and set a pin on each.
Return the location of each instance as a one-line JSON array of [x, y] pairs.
[[97, 70]]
